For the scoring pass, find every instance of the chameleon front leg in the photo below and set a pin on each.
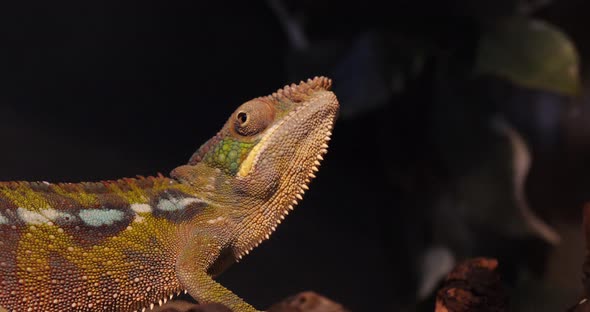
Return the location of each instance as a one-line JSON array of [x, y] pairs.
[[191, 268]]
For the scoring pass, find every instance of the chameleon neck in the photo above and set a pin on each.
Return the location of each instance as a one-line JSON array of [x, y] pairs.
[[250, 203]]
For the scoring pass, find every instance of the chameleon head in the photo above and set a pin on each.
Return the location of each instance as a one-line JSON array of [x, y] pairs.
[[280, 137], [271, 146]]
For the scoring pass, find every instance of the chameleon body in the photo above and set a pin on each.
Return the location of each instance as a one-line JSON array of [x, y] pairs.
[[128, 244]]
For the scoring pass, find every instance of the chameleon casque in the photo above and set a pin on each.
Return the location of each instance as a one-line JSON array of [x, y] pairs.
[[124, 245]]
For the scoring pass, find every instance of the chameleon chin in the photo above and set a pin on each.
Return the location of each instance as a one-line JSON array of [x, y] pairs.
[[128, 244]]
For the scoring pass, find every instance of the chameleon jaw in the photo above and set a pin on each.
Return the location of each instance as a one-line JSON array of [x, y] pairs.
[[295, 197]]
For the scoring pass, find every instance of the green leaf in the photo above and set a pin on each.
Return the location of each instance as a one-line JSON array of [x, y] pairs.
[[530, 53]]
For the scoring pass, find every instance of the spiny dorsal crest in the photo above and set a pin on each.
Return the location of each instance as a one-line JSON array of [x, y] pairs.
[[299, 92]]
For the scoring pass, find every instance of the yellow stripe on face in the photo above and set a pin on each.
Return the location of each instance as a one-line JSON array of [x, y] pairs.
[[252, 157], [248, 163]]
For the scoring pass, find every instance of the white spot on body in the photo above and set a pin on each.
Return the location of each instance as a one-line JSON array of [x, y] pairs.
[[31, 217], [98, 217], [173, 204], [51, 214], [166, 205], [41, 216], [141, 208], [187, 201], [3, 219]]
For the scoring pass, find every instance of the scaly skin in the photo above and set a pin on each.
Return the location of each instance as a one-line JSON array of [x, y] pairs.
[[127, 244]]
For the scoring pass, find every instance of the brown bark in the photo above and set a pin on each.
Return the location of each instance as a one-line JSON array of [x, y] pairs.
[[307, 301], [584, 304], [474, 285], [586, 266], [183, 306], [303, 302]]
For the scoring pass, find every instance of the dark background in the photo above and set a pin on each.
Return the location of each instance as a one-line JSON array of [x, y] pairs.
[[94, 90]]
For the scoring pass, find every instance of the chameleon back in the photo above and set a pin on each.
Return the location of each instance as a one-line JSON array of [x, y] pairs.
[[91, 245]]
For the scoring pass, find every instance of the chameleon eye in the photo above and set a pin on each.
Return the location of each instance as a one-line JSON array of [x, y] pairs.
[[242, 117], [252, 118]]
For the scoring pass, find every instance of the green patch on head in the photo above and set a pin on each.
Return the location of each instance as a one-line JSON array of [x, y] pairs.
[[228, 154]]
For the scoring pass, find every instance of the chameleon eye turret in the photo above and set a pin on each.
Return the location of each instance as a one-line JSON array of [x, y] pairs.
[[253, 117], [129, 244]]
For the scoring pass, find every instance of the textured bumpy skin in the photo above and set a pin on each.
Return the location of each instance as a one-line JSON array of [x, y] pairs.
[[126, 245]]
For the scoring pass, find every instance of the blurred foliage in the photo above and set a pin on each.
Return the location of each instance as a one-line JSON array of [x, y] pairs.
[[441, 84], [530, 53]]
